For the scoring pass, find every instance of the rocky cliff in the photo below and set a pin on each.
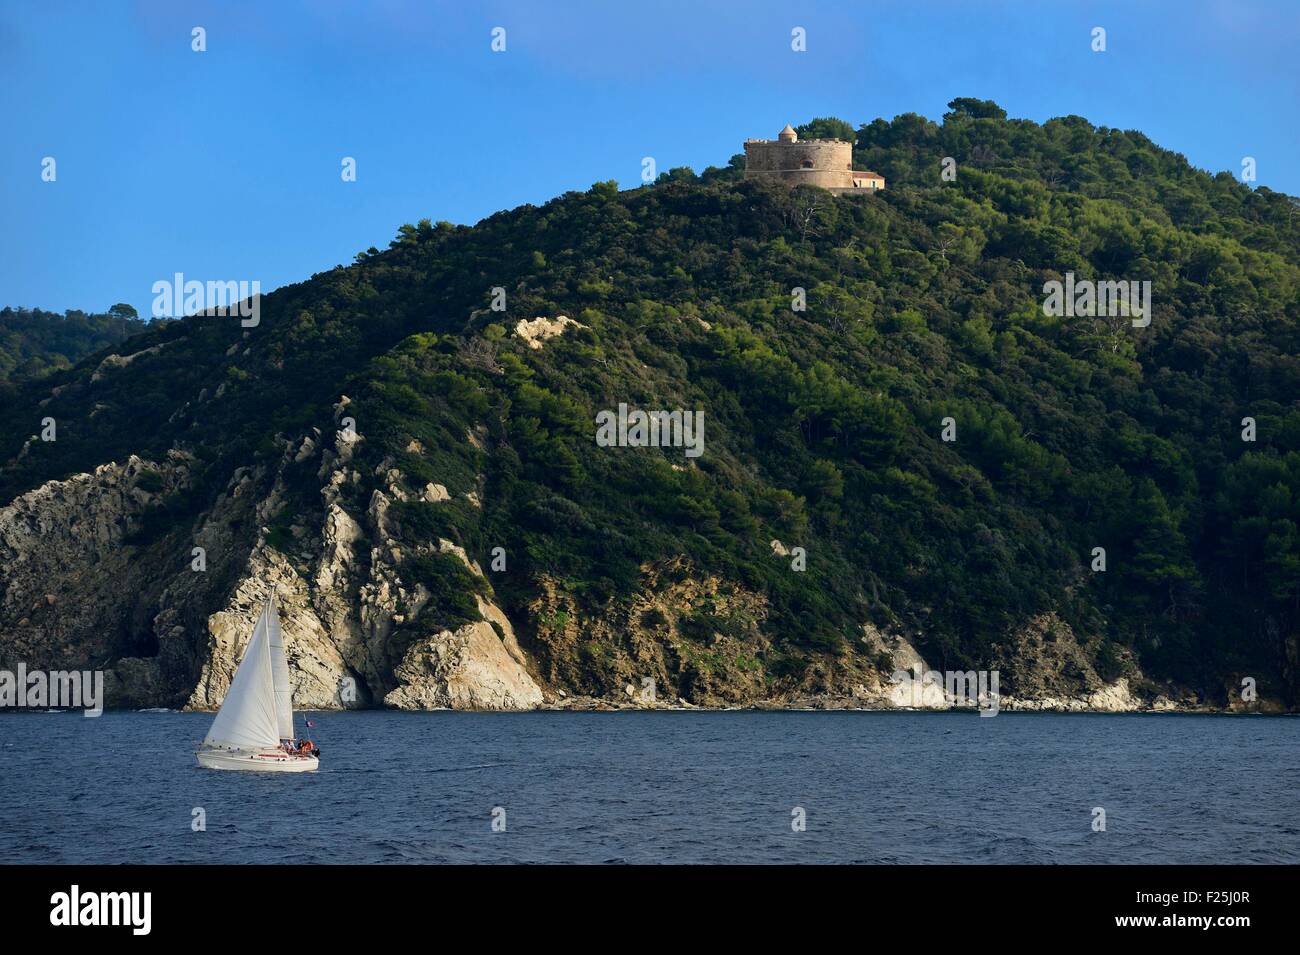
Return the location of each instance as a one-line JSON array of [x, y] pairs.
[[169, 621]]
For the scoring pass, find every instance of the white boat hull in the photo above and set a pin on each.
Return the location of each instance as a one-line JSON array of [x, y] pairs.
[[268, 762]]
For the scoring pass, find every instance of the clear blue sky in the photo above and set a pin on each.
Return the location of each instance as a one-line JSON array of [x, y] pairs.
[[225, 164]]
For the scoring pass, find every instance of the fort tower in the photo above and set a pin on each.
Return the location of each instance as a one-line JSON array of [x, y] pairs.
[[827, 163]]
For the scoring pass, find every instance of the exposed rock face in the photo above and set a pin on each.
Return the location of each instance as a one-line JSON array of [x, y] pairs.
[[73, 576], [1115, 697], [542, 328], [173, 614], [1043, 660], [465, 669], [922, 690], [683, 635], [478, 666], [115, 362]]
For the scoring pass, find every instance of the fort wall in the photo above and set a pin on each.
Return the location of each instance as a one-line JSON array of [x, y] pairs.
[[816, 162], [826, 163]]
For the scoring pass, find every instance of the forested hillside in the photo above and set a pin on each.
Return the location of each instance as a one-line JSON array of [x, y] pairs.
[[823, 428], [34, 342]]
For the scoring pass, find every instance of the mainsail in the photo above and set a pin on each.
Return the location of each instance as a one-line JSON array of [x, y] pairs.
[[280, 674], [248, 717]]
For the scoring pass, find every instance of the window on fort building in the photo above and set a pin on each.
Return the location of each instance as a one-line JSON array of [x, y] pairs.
[[807, 164]]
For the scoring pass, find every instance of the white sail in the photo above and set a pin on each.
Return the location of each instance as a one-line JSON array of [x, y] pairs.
[[280, 673], [247, 718]]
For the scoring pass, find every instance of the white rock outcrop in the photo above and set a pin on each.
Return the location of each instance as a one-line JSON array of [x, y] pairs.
[[542, 328], [477, 666], [468, 668]]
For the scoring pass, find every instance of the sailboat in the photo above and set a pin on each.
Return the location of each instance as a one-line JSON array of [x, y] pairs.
[[254, 727]]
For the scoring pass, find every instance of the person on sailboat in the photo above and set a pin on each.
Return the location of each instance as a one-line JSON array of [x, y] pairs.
[[258, 708]]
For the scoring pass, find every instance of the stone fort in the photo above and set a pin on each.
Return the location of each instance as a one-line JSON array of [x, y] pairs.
[[827, 163]]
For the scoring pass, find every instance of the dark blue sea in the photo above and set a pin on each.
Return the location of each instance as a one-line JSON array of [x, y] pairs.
[[662, 787]]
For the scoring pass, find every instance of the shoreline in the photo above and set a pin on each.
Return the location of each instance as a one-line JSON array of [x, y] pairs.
[[604, 706]]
